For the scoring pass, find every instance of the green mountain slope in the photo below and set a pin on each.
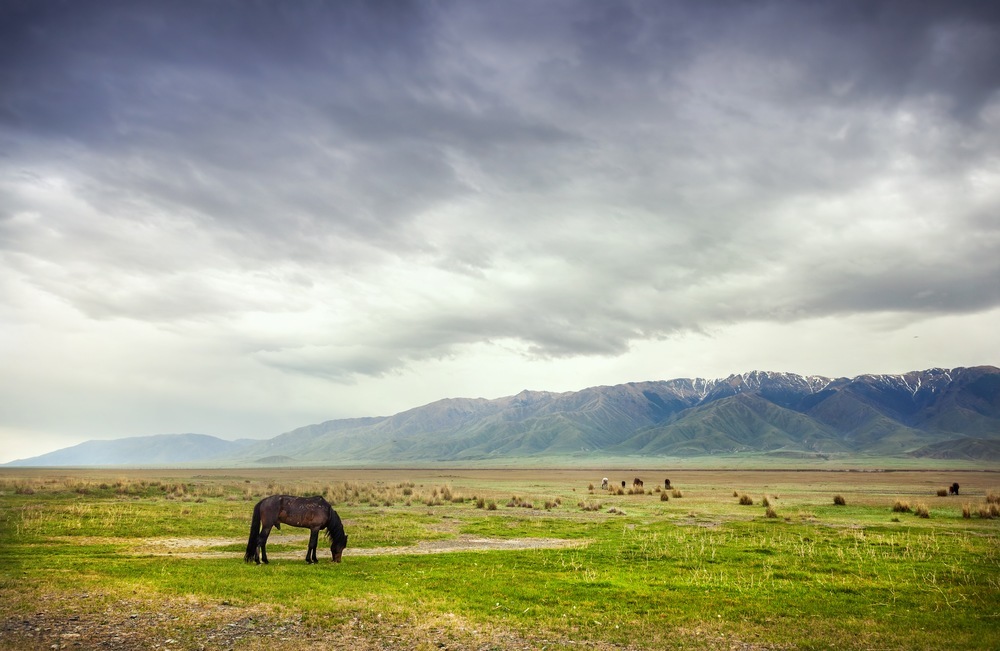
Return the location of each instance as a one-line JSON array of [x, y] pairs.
[[938, 413]]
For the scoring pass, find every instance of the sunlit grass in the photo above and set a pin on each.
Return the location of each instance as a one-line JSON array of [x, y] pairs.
[[802, 571]]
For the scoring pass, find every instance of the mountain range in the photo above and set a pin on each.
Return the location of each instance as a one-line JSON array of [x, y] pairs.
[[936, 414]]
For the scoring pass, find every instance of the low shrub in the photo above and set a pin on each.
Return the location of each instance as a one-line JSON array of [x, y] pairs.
[[746, 500], [839, 500], [921, 510], [770, 512], [676, 493], [664, 497], [942, 492], [966, 511], [901, 507]]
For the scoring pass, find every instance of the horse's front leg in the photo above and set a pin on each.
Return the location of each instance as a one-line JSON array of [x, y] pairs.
[[313, 541]]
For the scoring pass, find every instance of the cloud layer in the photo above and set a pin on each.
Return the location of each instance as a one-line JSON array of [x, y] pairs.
[[343, 191]]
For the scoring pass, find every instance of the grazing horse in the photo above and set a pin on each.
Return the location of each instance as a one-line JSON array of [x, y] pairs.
[[953, 489], [636, 483], [313, 513], [604, 483]]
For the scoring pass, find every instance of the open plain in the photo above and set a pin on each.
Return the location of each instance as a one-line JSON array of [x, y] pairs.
[[500, 559]]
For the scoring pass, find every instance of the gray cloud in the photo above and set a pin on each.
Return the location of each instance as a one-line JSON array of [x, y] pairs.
[[391, 182]]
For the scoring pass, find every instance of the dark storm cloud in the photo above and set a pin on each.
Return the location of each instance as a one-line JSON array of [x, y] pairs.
[[571, 175]]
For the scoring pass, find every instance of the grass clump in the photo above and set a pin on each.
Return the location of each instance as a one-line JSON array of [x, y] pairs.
[[676, 493], [664, 497], [942, 492], [839, 500], [746, 500], [901, 507], [921, 510]]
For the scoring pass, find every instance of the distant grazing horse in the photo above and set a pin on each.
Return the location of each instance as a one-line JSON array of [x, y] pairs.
[[313, 513], [953, 489], [666, 483], [623, 483], [636, 483], [604, 483]]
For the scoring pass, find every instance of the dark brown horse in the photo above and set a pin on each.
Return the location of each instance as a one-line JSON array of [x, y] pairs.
[[313, 513]]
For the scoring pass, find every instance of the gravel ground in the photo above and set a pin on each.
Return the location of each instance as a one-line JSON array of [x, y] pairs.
[[132, 624]]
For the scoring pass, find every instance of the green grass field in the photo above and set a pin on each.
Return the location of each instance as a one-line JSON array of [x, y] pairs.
[[481, 559]]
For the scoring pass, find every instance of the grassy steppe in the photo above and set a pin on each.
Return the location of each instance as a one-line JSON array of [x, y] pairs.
[[138, 559]]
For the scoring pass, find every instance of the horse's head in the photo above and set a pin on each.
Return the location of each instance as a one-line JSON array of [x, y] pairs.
[[337, 546]]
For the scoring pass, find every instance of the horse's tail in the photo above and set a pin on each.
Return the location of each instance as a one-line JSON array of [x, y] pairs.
[[254, 534]]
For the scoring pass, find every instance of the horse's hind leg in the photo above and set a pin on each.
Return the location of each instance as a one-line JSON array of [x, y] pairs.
[[264, 533], [313, 541]]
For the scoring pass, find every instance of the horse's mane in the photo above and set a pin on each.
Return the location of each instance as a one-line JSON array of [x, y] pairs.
[[334, 526]]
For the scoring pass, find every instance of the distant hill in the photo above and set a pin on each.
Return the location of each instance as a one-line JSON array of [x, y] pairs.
[[935, 414], [158, 450]]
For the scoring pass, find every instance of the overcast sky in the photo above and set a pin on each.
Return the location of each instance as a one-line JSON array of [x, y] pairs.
[[240, 217]]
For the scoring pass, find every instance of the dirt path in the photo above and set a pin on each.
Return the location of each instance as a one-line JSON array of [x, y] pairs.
[[200, 547]]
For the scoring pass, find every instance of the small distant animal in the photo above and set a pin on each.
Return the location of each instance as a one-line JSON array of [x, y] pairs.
[[604, 483], [953, 489], [313, 513], [623, 483], [666, 483], [636, 483]]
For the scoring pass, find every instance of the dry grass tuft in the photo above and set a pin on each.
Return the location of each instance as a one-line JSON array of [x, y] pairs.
[[901, 507], [921, 510], [989, 511], [746, 500], [839, 500]]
